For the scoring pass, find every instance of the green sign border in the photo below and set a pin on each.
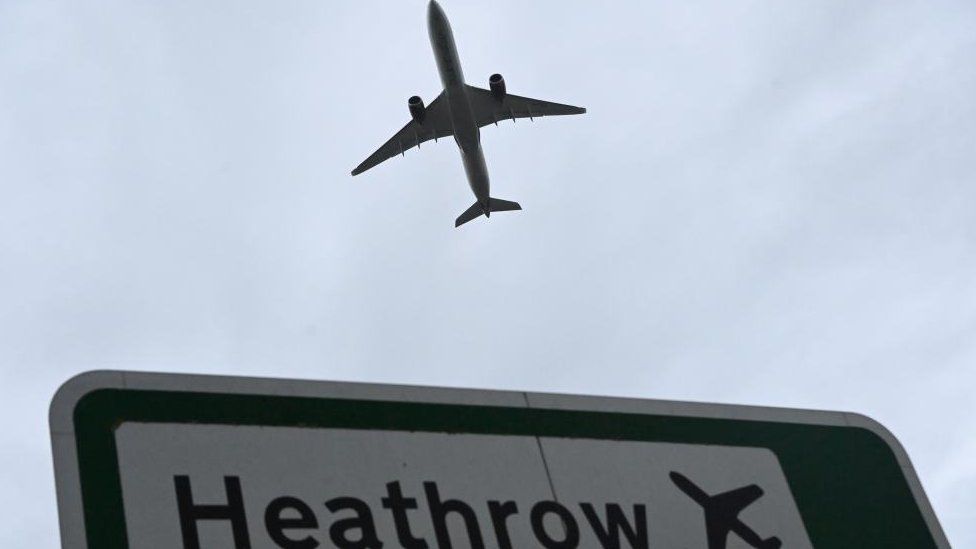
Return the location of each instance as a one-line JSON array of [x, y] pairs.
[[847, 482]]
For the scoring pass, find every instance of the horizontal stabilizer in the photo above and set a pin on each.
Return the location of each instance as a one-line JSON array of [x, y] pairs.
[[499, 205], [477, 209], [474, 211]]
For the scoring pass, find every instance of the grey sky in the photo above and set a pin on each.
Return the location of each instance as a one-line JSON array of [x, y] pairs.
[[767, 203]]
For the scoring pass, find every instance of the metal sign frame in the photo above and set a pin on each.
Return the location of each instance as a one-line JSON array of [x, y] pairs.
[[852, 481]]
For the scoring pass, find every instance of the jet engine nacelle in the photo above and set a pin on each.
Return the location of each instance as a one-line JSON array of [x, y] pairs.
[[417, 109], [497, 85]]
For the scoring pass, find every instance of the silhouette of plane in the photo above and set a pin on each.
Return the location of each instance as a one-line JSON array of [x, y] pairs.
[[460, 111], [722, 513]]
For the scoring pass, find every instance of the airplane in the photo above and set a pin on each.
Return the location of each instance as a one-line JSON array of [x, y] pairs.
[[722, 513], [460, 111]]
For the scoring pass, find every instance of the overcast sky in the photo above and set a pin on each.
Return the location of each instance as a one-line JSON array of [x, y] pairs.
[[768, 203]]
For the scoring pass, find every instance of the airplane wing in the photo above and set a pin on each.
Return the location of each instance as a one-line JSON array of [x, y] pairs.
[[734, 501], [722, 511], [436, 124], [489, 110]]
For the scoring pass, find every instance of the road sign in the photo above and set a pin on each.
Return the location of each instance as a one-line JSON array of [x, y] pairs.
[[155, 460]]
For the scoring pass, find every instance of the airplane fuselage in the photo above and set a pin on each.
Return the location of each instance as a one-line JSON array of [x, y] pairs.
[[466, 131]]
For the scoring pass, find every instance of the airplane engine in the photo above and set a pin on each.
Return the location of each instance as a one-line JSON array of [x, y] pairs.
[[497, 85], [417, 109]]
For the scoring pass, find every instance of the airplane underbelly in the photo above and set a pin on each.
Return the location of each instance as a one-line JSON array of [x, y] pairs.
[[466, 131], [477, 172]]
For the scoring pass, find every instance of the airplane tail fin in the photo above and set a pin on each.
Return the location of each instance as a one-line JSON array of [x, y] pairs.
[[771, 543], [477, 210]]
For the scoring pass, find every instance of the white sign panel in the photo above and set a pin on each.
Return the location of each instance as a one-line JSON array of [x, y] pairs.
[[354, 488], [192, 462]]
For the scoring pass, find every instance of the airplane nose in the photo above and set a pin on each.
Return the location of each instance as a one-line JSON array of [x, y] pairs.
[[434, 10]]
